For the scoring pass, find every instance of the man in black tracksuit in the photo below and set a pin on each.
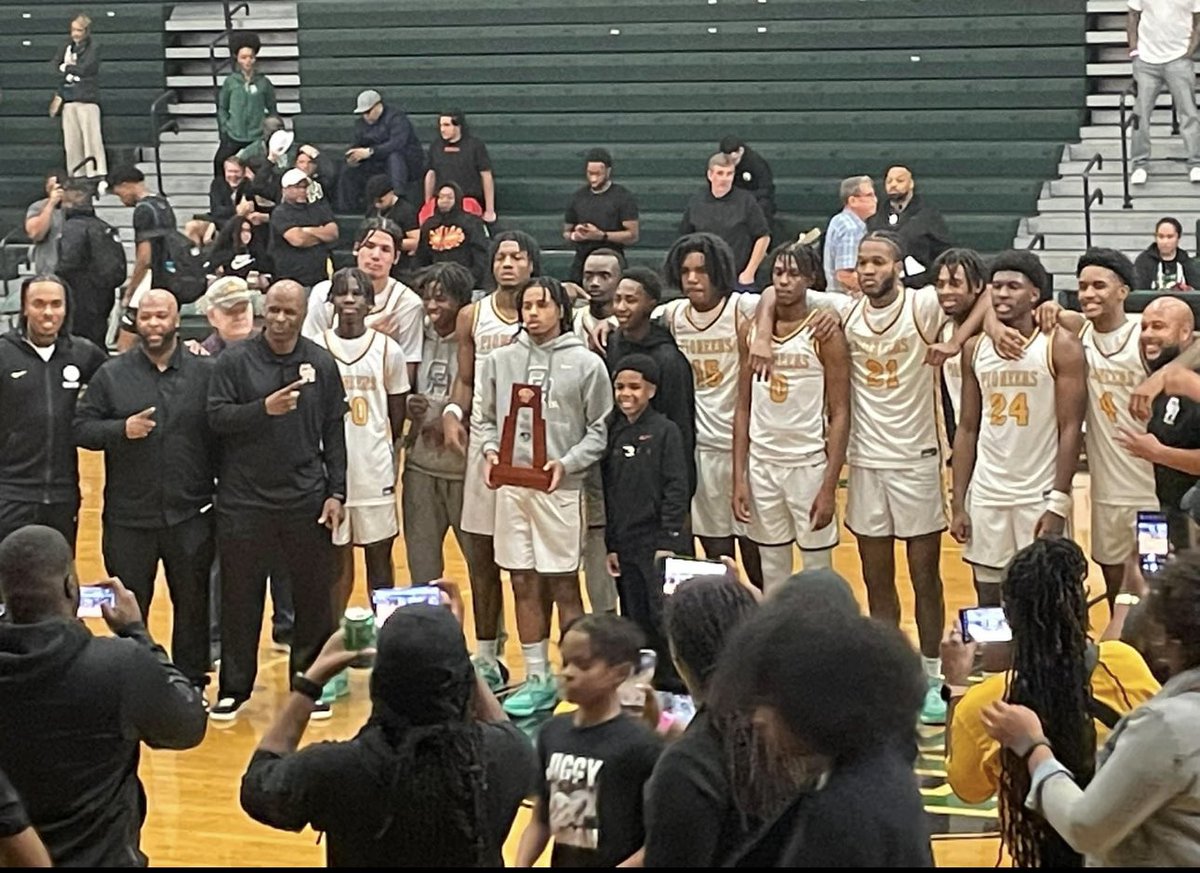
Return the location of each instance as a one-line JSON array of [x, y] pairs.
[[42, 368], [147, 411], [646, 499], [277, 404]]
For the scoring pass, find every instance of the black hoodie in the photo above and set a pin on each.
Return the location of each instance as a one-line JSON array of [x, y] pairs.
[[645, 483], [38, 462], [455, 236], [73, 710], [1151, 273], [675, 397]]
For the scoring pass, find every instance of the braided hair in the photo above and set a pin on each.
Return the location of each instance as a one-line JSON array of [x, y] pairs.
[[699, 617], [968, 260], [802, 256], [556, 292], [454, 280], [350, 277], [1046, 604]]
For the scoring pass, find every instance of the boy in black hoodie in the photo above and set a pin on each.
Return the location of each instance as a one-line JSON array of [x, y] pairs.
[[638, 294], [646, 496]]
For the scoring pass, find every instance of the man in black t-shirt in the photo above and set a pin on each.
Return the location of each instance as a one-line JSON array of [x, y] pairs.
[[152, 218], [753, 173], [601, 214], [458, 157], [733, 215], [1172, 441], [302, 233]]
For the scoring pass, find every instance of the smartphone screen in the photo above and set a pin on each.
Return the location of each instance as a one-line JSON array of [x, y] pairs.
[[1153, 543], [90, 598], [388, 600], [984, 624], [677, 571]]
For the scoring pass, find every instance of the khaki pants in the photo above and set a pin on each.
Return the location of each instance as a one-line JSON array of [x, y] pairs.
[[82, 137]]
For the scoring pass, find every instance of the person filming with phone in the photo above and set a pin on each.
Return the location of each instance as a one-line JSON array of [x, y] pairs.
[[1079, 689], [75, 708]]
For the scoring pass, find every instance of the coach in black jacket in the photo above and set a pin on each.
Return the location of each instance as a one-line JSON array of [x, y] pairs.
[[645, 497], [42, 368], [75, 709], [277, 405]]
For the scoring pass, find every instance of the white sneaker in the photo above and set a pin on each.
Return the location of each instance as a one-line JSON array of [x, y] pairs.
[[1139, 176], [226, 709], [1194, 174]]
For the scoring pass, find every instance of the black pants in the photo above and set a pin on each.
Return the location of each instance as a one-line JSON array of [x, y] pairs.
[[1179, 531], [63, 517], [186, 551], [639, 588], [227, 148], [250, 544]]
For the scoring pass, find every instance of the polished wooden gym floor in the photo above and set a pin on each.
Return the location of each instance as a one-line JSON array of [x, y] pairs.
[[194, 817]]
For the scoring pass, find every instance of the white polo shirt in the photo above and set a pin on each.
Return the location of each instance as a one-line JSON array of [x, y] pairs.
[[1164, 29]]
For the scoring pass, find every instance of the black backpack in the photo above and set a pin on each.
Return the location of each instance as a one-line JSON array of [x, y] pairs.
[[185, 264], [108, 262]]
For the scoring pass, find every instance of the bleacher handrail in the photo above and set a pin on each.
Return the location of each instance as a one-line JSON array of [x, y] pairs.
[[231, 11], [157, 130], [1127, 119], [1090, 196], [1039, 242], [90, 159]]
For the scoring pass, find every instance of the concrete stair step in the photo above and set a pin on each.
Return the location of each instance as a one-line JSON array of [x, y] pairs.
[[275, 69], [1145, 208], [1154, 191], [1074, 242], [1160, 120], [1112, 101], [209, 108], [279, 80], [1107, 37], [263, 15], [1118, 222], [1107, 6]]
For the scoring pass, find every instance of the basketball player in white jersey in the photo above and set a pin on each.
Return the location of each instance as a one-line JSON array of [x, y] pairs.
[[894, 454], [959, 277], [375, 377], [483, 327], [1019, 432], [432, 483], [601, 275], [790, 433], [397, 310], [1121, 483]]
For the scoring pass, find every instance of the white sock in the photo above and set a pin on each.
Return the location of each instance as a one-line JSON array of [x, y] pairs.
[[535, 660], [776, 566], [817, 559], [544, 649], [933, 668], [486, 651]]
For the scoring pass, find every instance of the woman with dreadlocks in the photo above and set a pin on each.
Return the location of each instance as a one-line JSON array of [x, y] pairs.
[[433, 779], [1080, 690], [1142, 806]]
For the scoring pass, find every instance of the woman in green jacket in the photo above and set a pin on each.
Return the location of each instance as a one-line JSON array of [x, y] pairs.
[[246, 97]]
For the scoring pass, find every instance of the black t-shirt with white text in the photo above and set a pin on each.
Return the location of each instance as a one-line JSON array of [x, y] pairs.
[[460, 162], [305, 265], [591, 793], [1175, 421]]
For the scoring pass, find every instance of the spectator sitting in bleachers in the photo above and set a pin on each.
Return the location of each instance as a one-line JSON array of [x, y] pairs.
[[307, 160], [233, 253], [302, 233], [384, 202], [276, 145], [384, 142], [1164, 266], [845, 232], [246, 97], [920, 226], [44, 223], [453, 234], [732, 214], [224, 191], [753, 173], [457, 156], [601, 214]]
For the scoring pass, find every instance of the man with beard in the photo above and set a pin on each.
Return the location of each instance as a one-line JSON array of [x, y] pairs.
[[920, 227], [601, 214], [145, 410], [1173, 442], [1018, 439]]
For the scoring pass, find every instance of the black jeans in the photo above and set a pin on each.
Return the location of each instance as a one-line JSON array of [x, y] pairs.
[[186, 551], [639, 588], [250, 544], [63, 517]]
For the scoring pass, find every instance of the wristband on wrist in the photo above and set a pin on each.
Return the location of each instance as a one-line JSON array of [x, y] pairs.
[[1127, 599], [1059, 502], [1034, 743], [453, 409], [301, 684]]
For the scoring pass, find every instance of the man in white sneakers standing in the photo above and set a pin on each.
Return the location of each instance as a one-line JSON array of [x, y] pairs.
[[1163, 35]]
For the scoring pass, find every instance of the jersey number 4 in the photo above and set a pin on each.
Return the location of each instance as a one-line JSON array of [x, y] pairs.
[[1108, 407], [883, 374], [1000, 409], [707, 372]]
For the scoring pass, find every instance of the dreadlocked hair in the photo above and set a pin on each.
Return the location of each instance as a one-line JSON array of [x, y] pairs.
[[348, 278], [555, 290], [718, 261], [968, 261], [800, 255], [699, 617], [454, 280], [1046, 604]]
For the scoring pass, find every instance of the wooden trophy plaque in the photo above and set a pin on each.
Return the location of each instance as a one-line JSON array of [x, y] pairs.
[[523, 442]]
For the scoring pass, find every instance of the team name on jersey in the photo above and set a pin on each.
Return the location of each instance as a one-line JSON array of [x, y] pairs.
[[1128, 378], [707, 346], [879, 346], [358, 383], [1009, 379], [790, 360], [491, 342]]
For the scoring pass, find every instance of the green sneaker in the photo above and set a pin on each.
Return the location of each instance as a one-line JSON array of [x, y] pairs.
[[493, 673], [338, 686], [933, 711], [537, 694]]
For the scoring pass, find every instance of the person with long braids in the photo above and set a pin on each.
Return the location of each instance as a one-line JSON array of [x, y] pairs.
[[1080, 689], [433, 779], [1142, 806]]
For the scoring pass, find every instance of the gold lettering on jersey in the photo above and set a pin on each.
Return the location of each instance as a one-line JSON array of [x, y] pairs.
[[358, 383], [719, 346], [1129, 378], [1009, 379], [491, 342], [792, 360], [878, 347]]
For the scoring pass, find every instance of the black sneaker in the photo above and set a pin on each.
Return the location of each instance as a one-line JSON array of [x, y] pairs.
[[322, 710], [226, 708]]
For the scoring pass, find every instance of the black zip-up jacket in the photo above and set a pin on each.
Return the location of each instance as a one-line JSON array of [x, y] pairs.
[[923, 231], [754, 175], [676, 395], [74, 710], [289, 462], [168, 476], [38, 463], [645, 482]]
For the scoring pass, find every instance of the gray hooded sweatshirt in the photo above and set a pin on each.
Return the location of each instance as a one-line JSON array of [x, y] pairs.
[[576, 398]]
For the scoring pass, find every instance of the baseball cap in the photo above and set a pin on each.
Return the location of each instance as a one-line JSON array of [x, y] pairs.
[[367, 100], [294, 176], [280, 141], [225, 292], [312, 151]]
